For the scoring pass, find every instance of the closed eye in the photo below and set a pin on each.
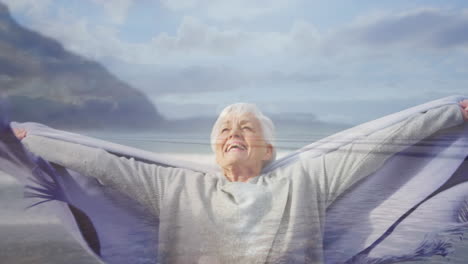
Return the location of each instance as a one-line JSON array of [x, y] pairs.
[[247, 128]]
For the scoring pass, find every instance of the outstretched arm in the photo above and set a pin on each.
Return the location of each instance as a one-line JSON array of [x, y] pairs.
[[340, 169], [138, 180]]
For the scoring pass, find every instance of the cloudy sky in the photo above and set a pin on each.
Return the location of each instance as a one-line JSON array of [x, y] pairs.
[[345, 61]]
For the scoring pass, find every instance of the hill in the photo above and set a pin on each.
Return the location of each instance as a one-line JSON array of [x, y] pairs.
[[45, 83]]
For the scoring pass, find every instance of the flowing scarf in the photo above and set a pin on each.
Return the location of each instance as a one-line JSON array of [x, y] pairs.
[[413, 208]]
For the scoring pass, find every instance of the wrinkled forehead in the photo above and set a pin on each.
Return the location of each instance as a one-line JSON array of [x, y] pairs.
[[239, 118]]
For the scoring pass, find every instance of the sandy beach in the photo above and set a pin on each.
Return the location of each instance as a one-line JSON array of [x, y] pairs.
[[32, 236]]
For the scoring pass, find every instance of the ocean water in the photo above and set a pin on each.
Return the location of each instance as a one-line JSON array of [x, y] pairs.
[[36, 236]]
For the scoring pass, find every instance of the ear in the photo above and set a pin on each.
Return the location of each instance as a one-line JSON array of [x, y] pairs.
[[268, 153]]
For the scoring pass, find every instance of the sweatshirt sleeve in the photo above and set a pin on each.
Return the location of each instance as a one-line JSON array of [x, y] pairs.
[[340, 169], [138, 180]]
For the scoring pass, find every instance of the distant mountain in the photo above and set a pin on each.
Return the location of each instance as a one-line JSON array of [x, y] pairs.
[[45, 83]]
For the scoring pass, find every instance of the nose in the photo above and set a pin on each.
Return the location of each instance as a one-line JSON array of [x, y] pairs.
[[235, 132]]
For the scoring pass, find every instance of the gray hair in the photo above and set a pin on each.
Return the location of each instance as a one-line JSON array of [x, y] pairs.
[[238, 109]]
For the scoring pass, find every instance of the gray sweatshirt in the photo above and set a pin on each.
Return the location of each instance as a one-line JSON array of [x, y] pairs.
[[276, 217]]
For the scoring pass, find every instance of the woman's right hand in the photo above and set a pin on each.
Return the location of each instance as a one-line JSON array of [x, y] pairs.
[[464, 108], [20, 133]]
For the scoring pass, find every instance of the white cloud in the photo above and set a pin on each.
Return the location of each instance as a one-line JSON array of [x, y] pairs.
[[225, 10], [186, 80], [116, 9], [423, 28], [370, 57], [193, 39], [77, 34], [193, 36], [29, 7], [180, 4]]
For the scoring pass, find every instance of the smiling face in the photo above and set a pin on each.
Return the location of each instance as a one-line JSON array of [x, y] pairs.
[[240, 142]]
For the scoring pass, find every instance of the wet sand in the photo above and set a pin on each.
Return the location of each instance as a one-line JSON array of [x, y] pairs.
[[41, 243], [33, 236]]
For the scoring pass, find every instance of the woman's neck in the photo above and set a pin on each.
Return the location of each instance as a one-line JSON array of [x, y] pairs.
[[241, 173]]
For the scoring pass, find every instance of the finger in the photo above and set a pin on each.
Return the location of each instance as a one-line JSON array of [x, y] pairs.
[[20, 133]]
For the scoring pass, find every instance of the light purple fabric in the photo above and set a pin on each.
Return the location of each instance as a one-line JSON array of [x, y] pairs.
[[368, 211]]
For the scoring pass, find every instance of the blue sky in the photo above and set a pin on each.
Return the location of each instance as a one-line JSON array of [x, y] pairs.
[[344, 61]]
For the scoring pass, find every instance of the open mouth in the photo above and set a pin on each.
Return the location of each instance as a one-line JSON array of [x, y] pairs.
[[236, 147]]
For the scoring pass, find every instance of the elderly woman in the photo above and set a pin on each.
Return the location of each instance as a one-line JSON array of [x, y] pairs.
[[241, 215]]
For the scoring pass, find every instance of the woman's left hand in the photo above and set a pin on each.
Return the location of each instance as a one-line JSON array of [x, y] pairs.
[[20, 133], [464, 105]]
